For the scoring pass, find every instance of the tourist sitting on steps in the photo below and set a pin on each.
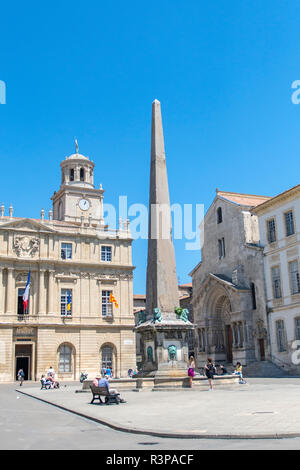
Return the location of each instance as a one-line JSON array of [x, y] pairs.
[[239, 371], [224, 371]]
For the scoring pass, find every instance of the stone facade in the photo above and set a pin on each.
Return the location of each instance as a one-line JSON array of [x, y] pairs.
[[279, 221], [73, 259], [228, 284]]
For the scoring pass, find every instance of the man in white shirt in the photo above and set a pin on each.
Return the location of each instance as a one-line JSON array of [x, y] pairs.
[[51, 372]]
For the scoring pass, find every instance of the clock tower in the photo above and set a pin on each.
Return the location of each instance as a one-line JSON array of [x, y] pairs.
[[77, 199]]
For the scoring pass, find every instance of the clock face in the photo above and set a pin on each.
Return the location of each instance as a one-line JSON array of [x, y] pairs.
[[84, 204]]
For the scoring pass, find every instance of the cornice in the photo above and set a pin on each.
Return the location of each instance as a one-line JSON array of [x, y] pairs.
[[277, 201]]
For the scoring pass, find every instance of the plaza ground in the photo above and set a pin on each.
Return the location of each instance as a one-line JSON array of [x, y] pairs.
[[262, 405]]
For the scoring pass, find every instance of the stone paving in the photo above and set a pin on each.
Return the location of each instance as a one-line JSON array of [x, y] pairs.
[[260, 408]]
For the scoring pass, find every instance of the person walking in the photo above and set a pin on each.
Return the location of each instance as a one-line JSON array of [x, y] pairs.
[[209, 372], [21, 376], [191, 370]]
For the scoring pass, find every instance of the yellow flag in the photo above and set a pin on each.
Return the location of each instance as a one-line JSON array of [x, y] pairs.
[[113, 300]]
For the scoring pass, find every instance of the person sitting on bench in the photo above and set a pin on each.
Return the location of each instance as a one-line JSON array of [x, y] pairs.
[[46, 381], [50, 381], [103, 382]]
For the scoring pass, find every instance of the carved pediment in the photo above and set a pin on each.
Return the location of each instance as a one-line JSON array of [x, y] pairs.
[[27, 225]]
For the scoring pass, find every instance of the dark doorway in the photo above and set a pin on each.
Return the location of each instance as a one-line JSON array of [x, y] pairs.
[[23, 356], [262, 349], [229, 341], [22, 363]]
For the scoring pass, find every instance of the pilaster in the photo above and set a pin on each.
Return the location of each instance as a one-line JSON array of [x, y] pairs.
[[10, 294]]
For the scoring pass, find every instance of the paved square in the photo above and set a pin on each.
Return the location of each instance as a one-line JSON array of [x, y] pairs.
[[261, 408]]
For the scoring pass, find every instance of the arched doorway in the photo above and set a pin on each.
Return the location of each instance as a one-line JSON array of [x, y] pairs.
[[108, 358], [222, 310]]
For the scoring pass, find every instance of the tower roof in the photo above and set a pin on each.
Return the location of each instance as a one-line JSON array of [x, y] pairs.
[[77, 156]]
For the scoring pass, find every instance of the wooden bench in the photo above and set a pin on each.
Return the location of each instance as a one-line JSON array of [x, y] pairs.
[[99, 392]]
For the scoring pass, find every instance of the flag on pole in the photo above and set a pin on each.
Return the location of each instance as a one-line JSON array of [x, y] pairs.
[[69, 302], [113, 300], [26, 294]]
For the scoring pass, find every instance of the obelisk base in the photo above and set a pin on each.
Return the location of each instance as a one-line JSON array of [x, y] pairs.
[[164, 347]]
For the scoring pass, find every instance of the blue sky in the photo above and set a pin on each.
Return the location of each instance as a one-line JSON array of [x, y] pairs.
[[222, 71]]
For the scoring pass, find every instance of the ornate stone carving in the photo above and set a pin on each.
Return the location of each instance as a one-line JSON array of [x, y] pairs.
[[260, 330], [22, 277], [26, 246]]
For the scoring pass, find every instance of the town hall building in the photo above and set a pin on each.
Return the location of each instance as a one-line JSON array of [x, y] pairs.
[[76, 265]]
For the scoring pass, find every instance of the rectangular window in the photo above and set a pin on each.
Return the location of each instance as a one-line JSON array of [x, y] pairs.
[[276, 282], [280, 332], [297, 328], [66, 302], [21, 310], [105, 253], [221, 246], [66, 251], [253, 293], [289, 223], [107, 308], [294, 277], [271, 231]]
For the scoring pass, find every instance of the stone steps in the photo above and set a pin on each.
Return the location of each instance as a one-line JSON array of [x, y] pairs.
[[264, 369]]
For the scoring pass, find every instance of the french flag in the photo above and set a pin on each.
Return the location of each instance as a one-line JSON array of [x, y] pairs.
[[26, 294]]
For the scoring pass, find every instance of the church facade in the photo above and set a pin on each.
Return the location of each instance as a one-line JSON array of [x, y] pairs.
[[77, 266], [229, 303]]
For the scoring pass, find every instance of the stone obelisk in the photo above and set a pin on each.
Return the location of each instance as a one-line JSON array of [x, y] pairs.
[[163, 332], [162, 285]]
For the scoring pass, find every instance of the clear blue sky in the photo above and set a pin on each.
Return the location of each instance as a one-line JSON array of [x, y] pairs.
[[222, 70]]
